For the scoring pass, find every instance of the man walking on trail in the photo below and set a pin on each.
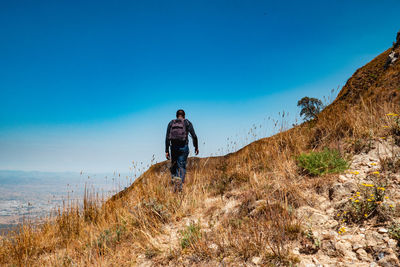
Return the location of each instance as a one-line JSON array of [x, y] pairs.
[[177, 138]]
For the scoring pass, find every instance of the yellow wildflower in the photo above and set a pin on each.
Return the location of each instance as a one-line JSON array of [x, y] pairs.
[[373, 163], [391, 206], [356, 200], [369, 199], [386, 197], [392, 114], [365, 215], [382, 137], [381, 188], [343, 229], [376, 172], [368, 185], [385, 126]]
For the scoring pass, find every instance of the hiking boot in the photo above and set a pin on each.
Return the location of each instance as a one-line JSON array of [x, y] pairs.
[[177, 182], [176, 179]]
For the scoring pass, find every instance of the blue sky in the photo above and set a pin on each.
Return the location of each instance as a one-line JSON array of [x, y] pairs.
[[91, 85]]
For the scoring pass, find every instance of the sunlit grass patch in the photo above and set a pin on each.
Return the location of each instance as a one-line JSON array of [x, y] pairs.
[[320, 163]]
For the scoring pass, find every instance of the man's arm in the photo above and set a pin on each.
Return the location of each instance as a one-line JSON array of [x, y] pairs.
[[167, 141], [194, 137]]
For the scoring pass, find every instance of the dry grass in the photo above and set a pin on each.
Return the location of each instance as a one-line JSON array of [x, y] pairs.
[[263, 178]]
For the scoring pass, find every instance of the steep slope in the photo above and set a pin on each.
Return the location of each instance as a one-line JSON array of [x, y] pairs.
[[377, 83], [252, 207], [350, 124]]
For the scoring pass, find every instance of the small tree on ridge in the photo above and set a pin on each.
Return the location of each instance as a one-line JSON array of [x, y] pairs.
[[310, 107]]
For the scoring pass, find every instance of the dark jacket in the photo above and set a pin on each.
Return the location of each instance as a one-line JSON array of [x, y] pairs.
[[189, 130]]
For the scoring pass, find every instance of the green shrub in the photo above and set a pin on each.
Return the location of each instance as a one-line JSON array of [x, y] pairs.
[[320, 163], [190, 235]]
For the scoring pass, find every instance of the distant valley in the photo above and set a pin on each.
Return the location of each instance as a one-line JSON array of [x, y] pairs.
[[30, 195]]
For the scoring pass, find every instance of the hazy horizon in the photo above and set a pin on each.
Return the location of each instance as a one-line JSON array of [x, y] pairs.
[[30, 195]]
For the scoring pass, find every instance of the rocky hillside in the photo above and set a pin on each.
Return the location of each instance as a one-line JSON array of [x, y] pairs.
[[325, 192], [356, 221], [330, 237]]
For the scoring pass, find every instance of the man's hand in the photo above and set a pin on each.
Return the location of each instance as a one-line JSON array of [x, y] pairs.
[[196, 151], [167, 155]]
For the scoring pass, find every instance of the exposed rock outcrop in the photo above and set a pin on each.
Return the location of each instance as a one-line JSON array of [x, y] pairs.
[[394, 54], [368, 244]]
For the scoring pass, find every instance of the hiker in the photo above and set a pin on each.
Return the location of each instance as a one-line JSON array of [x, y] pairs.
[[177, 138]]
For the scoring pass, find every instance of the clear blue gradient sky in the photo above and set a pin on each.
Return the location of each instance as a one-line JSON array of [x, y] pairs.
[[91, 85]]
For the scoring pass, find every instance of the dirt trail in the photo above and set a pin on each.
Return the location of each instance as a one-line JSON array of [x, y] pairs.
[[169, 240]]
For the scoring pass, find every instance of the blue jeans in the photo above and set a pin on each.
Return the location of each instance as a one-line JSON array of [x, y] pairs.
[[179, 157]]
